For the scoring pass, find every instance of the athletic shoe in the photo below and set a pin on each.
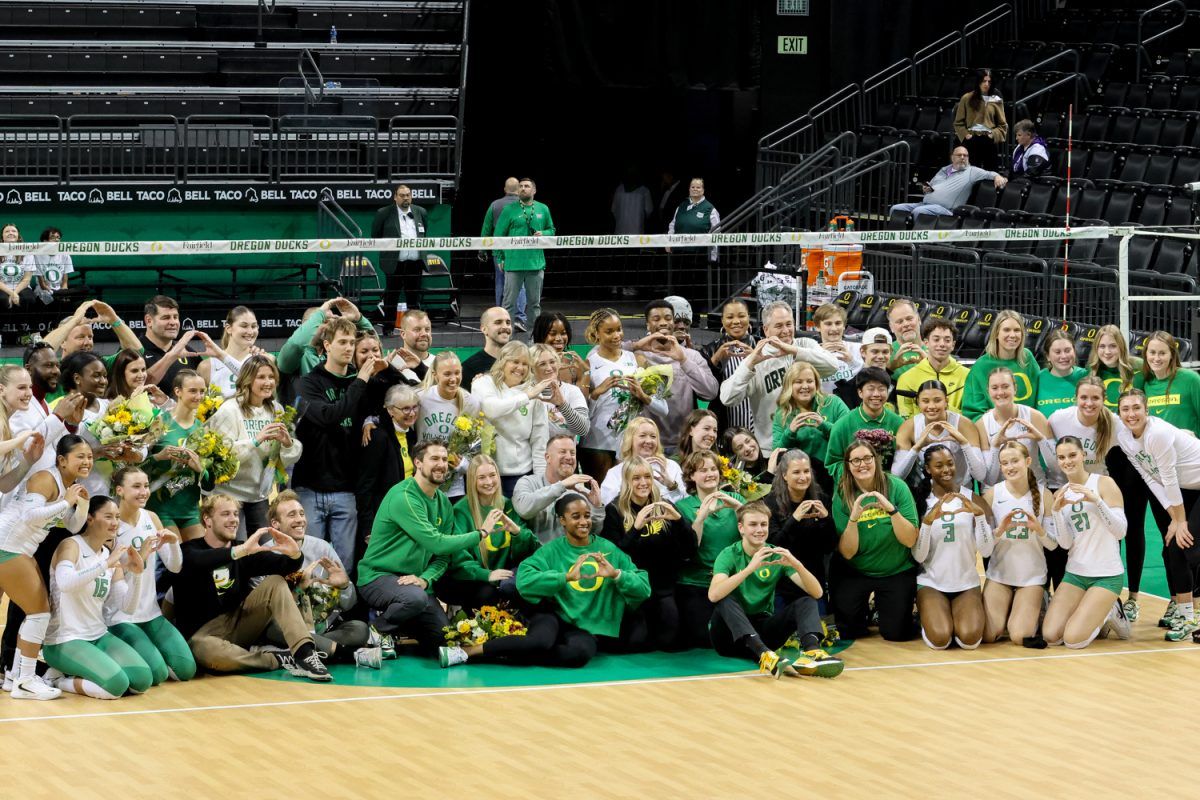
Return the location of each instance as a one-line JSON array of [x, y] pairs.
[[1182, 629], [34, 688], [311, 667], [769, 663], [370, 657], [829, 635], [819, 664], [8, 681], [520, 326], [384, 641], [1168, 615], [1130, 607], [1116, 622], [451, 656]]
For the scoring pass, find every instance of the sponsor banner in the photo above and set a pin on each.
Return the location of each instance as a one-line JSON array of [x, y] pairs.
[[231, 192], [801, 239], [276, 322]]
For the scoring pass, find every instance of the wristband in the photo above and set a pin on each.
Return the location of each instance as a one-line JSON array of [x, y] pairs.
[[116, 323]]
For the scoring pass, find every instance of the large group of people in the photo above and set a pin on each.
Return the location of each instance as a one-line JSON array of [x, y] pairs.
[[764, 495]]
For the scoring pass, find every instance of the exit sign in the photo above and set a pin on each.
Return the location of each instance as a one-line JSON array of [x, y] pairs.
[[793, 45]]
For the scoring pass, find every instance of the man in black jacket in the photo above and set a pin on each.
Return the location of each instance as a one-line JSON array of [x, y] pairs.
[[403, 268], [385, 459], [219, 613]]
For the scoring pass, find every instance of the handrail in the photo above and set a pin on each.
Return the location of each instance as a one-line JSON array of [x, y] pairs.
[[263, 5], [1076, 77], [311, 98], [341, 217], [853, 169], [1016, 80], [462, 95], [784, 131], [1141, 43]]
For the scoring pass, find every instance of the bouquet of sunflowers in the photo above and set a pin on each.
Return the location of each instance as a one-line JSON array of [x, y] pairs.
[[489, 622], [216, 454], [211, 402], [737, 480], [655, 382], [134, 422], [287, 416], [472, 435]]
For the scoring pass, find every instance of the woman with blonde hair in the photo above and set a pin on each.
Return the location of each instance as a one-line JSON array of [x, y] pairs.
[[1005, 348], [641, 439], [566, 408], [511, 401], [238, 338], [442, 401], [16, 272], [1111, 362], [1008, 421], [805, 417], [648, 530], [17, 453]]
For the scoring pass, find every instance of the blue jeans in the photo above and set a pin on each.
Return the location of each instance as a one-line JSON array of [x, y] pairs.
[[332, 516], [500, 293], [916, 209]]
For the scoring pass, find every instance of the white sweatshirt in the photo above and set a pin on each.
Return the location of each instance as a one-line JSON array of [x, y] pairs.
[[253, 480], [1167, 458], [522, 427]]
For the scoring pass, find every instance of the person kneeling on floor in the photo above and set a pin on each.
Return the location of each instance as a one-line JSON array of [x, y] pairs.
[[223, 616]]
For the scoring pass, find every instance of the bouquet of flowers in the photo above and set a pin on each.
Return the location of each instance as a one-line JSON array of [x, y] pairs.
[[287, 416], [134, 422], [655, 382], [737, 480], [489, 622], [883, 441], [472, 435], [216, 454], [211, 402]]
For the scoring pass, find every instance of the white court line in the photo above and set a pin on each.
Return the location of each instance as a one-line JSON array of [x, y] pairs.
[[555, 687]]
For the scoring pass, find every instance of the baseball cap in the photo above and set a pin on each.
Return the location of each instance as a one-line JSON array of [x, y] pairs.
[[877, 336], [681, 307]]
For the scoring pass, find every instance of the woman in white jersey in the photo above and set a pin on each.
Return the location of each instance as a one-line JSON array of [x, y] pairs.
[[936, 425], [1008, 421], [18, 453], [442, 401], [1023, 525], [51, 498], [157, 641], [954, 528], [1090, 523], [1168, 460], [89, 570], [609, 377], [238, 340]]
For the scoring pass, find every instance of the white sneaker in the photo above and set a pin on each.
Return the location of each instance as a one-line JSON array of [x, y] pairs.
[[34, 688], [370, 657], [1117, 622], [451, 656], [8, 681]]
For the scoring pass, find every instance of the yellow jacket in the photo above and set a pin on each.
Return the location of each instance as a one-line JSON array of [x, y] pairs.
[[953, 375]]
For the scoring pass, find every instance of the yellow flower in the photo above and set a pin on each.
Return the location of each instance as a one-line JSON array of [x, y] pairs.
[[463, 424], [463, 626]]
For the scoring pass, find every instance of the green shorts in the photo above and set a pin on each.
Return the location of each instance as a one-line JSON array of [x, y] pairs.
[[1114, 583], [180, 509], [7, 556]]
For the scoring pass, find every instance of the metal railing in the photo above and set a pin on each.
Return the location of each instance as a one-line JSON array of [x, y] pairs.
[[1142, 52], [311, 96], [352, 269], [91, 148]]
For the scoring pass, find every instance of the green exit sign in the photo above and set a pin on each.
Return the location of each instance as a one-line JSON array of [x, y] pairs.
[[793, 45]]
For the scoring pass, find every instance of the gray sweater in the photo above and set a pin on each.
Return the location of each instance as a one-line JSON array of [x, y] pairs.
[[534, 498], [951, 188]]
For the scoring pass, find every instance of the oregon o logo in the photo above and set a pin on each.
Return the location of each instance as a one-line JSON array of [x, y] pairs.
[[495, 548], [1024, 389], [588, 581], [643, 239], [156, 247], [764, 573], [324, 244]]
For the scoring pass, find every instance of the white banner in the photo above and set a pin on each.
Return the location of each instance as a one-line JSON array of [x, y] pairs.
[[611, 242]]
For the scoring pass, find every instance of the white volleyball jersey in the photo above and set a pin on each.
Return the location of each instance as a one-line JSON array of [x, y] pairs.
[[79, 615], [992, 426], [950, 564], [147, 603], [600, 436], [1096, 551], [223, 377], [21, 535], [1018, 558], [961, 472], [1065, 422]]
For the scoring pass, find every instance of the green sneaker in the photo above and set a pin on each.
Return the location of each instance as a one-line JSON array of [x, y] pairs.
[[384, 641], [769, 663], [1130, 607], [818, 663], [829, 635], [1168, 615], [1182, 628]]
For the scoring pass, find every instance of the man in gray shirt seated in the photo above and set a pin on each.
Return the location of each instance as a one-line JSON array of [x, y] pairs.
[[534, 495], [951, 186]]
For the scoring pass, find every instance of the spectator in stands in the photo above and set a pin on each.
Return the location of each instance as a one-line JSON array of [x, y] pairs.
[[694, 215], [301, 352], [554, 329], [724, 354], [938, 365], [16, 272], [324, 475], [495, 256], [52, 271], [75, 332], [402, 269], [496, 324], [535, 495], [693, 379], [1030, 158], [525, 268], [950, 187], [219, 613], [167, 352], [979, 122]]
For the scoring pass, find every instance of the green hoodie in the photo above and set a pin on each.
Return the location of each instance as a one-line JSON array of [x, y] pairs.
[[504, 550], [1025, 375], [298, 356], [812, 439]]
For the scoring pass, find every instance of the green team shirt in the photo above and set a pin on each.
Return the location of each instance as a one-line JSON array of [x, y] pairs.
[[595, 604], [1112, 381], [910, 361], [1054, 392], [520, 219], [1025, 372], [720, 531], [412, 535], [812, 439], [503, 550], [880, 553], [757, 592], [844, 431], [169, 500], [1177, 400]]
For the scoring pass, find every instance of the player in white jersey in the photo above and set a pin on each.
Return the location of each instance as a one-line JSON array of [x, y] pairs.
[[936, 425], [1090, 524], [1168, 460], [51, 498], [238, 343], [1023, 525], [1090, 422], [954, 529], [1007, 421], [86, 571], [156, 640]]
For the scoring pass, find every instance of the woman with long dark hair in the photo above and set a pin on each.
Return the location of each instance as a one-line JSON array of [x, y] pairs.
[[979, 122], [800, 521]]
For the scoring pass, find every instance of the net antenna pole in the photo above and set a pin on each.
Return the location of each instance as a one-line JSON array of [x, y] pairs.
[[1067, 241]]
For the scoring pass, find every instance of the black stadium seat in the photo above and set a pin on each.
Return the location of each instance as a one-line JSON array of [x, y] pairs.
[[859, 314], [1172, 255], [976, 334]]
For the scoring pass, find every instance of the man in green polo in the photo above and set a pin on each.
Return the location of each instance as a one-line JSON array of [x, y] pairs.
[[524, 268]]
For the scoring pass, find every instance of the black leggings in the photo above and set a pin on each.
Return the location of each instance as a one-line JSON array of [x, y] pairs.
[[43, 556], [663, 627], [1183, 564], [541, 632], [575, 647], [694, 613], [470, 595], [1136, 496], [894, 597]]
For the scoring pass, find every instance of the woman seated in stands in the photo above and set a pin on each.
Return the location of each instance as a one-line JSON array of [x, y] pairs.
[[1030, 158]]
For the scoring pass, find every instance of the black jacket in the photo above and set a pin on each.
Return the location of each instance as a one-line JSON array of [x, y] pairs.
[[331, 441], [211, 583]]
